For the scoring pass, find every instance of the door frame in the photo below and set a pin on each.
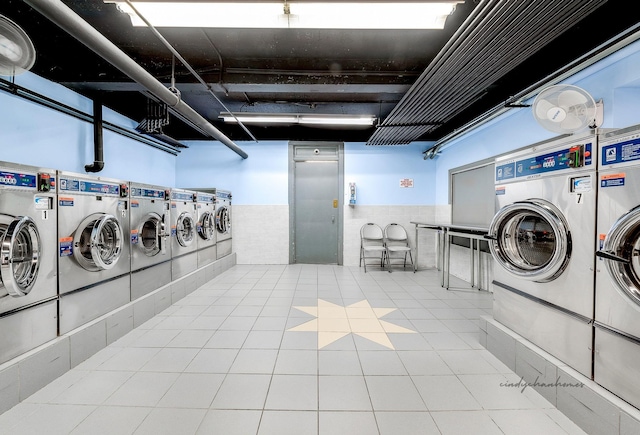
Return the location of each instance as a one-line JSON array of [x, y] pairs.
[[292, 206]]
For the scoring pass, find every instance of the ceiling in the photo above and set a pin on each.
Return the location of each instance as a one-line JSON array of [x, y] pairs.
[[306, 71]]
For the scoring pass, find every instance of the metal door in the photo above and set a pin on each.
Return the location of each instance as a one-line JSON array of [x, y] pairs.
[[620, 251], [531, 240], [20, 254], [317, 204]]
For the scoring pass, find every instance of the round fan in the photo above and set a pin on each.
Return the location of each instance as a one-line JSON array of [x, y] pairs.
[[565, 109], [17, 53]]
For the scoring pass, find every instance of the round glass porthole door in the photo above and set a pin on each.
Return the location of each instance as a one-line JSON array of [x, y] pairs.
[[223, 220], [185, 229], [98, 242], [531, 240], [19, 254], [150, 234], [207, 225], [621, 252]]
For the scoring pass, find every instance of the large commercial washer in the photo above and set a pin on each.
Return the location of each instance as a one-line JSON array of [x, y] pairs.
[[150, 238], [206, 227], [28, 283], [184, 213], [223, 223], [542, 241], [93, 247], [617, 310]]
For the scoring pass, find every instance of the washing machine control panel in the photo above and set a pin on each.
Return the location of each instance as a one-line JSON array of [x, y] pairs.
[[575, 156]]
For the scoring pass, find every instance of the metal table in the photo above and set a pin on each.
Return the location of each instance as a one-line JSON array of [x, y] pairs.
[[443, 248]]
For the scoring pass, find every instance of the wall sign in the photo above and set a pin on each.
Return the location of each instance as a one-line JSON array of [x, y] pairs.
[[406, 182]]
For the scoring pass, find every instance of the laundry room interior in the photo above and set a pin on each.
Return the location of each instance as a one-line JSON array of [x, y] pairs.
[[172, 279]]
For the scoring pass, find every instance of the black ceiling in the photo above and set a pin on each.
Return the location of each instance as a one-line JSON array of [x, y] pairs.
[[286, 70]]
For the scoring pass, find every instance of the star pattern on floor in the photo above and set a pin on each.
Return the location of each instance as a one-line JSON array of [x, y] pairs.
[[334, 321]]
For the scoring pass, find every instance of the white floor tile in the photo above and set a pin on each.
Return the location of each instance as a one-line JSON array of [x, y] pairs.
[[230, 422], [224, 360], [445, 393], [112, 420], [347, 423], [343, 393], [192, 390], [409, 423], [289, 423], [293, 392], [242, 391], [460, 422], [171, 421]]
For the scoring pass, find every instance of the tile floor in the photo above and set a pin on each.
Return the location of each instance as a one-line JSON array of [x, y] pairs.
[[298, 349]]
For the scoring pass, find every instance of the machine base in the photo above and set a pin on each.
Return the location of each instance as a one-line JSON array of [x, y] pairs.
[[616, 365], [149, 279], [207, 255], [27, 329], [567, 337], [81, 307], [183, 265], [224, 248], [586, 403]]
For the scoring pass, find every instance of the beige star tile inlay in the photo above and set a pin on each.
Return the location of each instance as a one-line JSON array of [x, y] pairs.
[[333, 322]]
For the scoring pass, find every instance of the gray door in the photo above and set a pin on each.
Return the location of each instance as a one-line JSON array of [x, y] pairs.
[[316, 199]]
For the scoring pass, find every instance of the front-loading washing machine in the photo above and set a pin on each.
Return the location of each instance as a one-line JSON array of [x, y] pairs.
[[617, 310], [542, 241], [184, 213], [223, 223], [206, 228], [93, 247], [150, 238], [28, 269]]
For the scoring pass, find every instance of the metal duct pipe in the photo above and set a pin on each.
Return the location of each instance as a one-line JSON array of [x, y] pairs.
[[98, 140], [72, 23], [495, 38]]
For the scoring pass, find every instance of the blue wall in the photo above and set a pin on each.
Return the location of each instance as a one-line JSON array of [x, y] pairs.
[[262, 179], [615, 80], [34, 135], [31, 134]]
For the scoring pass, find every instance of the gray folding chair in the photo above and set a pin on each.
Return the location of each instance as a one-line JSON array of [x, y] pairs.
[[372, 245], [397, 242]]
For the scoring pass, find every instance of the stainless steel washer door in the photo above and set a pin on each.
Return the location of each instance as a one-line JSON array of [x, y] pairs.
[[621, 252], [223, 220], [185, 229], [207, 225], [98, 242], [531, 240], [150, 234], [20, 247]]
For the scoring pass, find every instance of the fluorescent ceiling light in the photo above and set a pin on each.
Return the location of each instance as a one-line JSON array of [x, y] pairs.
[[292, 14], [301, 119]]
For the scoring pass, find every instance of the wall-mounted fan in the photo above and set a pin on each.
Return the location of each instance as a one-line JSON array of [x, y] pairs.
[[17, 53], [566, 109]]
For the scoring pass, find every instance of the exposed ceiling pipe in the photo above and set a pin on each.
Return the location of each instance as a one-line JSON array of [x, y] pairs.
[[98, 141], [70, 22], [184, 62]]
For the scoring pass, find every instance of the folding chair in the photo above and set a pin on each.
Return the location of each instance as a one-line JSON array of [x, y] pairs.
[[372, 245], [396, 241]]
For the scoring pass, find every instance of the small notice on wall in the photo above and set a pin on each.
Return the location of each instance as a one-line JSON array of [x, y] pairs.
[[406, 182]]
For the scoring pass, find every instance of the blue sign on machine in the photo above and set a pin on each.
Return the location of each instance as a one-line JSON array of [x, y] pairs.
[[626, 151]]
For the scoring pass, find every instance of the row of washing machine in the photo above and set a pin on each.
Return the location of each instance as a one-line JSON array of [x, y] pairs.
[[566, 242], [74, 247]]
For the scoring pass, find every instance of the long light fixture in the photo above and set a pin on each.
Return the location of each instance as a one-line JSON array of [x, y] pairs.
[[292, 14], [299, 119]]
